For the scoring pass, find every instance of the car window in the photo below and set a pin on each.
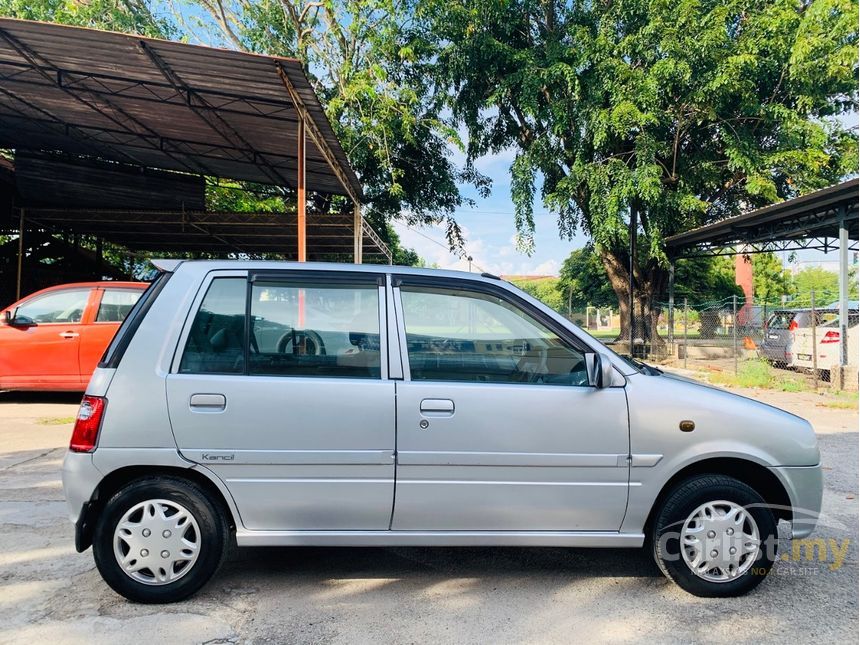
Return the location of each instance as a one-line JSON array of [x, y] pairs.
[[116, 304], [65, 306], [216, 339], [316, 329], [780, 320], [459, 335]]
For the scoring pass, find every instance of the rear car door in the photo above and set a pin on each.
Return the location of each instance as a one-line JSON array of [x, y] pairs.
[[280, 387], [41, 350], [497, 427]]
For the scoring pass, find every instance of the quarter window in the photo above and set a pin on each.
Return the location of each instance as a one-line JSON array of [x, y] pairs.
[[116, 304], [460, 335], [216, 339]]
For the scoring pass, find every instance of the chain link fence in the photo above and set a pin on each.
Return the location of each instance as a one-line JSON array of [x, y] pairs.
[[788, 339]]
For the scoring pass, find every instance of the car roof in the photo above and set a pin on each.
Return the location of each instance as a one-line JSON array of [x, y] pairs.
[[171, 265]]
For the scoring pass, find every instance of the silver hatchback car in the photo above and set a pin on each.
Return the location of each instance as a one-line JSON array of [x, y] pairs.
[[268, 403]]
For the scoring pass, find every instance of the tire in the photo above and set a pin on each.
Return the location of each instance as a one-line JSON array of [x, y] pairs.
[[706, 509], [160, 515]]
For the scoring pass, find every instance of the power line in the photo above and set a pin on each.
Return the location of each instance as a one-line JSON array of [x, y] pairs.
[[463, 256]]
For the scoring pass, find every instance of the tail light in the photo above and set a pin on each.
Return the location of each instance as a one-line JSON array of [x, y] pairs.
[[793, 325], [87, 424], [830, 337]]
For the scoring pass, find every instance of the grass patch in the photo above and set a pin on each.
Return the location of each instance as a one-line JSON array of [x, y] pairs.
[[759, 374], [55, 421], [840, 401]]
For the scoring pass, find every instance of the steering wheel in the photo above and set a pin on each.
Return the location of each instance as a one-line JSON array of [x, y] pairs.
[[302, 343]]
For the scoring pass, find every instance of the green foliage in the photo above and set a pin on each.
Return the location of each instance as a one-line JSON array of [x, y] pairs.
[[546, 290], [371, 63], [683, 111], [770, 280], [133, 16], [825, 283], [705, 279], [584, 280]]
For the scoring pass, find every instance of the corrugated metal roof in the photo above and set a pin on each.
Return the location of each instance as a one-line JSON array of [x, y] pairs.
[[162, 104]]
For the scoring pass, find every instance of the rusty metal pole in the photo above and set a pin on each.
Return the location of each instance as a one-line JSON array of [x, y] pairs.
[[357, 232], [301, 196], [20, 254]]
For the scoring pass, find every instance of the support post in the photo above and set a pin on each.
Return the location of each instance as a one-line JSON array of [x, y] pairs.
[[843, 289], [20, 254], [686, 348], [735, 330], [301, 196], [633, 214], [357, 232], [814, 340], [671, 330]]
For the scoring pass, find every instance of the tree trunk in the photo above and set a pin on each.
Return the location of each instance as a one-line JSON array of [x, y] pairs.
[[649, 282]]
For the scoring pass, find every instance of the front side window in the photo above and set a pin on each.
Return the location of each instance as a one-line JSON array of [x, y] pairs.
[[60, 307], [314, 329], [467, 336], [116, 304]]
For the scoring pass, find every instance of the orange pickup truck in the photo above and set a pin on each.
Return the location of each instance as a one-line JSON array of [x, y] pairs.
[[53, 339]]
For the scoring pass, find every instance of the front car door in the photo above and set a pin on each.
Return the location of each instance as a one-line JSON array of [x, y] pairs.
[[281, 389], [497, 427], [41, 350]]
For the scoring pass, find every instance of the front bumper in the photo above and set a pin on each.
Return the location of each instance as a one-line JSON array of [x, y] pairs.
[[805, 487]]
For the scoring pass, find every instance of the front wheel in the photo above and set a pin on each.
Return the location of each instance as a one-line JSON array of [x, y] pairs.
[[159, 540], [715, 536]]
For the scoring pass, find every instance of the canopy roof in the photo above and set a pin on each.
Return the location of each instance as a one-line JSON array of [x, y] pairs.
[[807, 222], [163, 104]]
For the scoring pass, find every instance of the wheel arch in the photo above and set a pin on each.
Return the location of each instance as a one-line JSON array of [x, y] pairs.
[[120, 477], [759, 477]]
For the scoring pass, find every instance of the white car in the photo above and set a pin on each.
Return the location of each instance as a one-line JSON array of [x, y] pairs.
[[827, 345]]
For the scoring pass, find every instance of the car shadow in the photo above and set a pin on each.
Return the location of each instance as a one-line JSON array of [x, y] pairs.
[[405, 562], [9, 396]]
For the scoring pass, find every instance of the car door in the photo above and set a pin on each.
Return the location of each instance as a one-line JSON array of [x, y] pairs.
[[110, 307], [281, 389], [40, 349], [497, 427]]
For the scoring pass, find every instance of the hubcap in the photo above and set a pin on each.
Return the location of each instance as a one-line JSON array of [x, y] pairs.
[[720, 541], [156, 542]]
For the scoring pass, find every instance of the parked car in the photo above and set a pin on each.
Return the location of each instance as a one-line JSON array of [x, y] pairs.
[[429, 408], [776, 346], [53, 339], [827, 345]]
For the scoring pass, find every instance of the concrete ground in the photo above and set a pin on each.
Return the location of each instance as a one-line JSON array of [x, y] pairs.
[[49, 593]]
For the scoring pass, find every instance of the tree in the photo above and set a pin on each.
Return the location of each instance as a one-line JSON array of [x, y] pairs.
[[668, 113], [371, 63], [583, 281], [546, 290], [770, 280], [824, 283], [705, 279]]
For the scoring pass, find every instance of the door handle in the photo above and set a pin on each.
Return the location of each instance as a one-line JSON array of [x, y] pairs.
[[208, 402], [68, 334], [437, 407]]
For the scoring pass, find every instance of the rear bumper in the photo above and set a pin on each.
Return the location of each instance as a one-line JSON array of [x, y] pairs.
[[805, 487], [80, 479]]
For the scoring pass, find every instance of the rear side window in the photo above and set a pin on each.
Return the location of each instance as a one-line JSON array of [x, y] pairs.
[[216, 340], [116, 304], [290, 327]]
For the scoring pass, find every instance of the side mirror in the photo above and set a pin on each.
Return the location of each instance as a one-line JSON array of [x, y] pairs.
[[14, 320], [599, 370], [7, 317]]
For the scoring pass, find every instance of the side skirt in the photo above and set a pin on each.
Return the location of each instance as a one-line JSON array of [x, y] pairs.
[[585, 539]]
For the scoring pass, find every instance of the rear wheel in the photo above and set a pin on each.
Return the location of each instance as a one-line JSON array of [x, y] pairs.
[[715, 536], [159, 540]]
